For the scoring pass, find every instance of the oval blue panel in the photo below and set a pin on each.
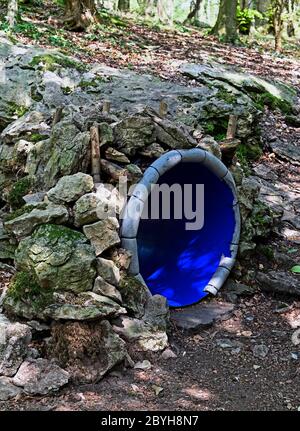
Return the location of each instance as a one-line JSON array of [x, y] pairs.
[[178, 263]]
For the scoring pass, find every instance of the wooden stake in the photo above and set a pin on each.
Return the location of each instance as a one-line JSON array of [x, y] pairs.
[[57, 116], [106, 107], [163, 108], [232, 124], [95, 153], [113, 170]]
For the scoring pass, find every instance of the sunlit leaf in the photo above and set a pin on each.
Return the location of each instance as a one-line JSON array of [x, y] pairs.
[[296, 269]]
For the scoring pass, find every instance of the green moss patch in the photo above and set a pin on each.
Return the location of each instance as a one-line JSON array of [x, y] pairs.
[[267, 99], [216, 128], [25, 209], [54, 232], [19, 189], [24, 287], [134, 295], [51, 62], [18, 110], [17, 213], [37, 137], [247, 153], [226, 96]]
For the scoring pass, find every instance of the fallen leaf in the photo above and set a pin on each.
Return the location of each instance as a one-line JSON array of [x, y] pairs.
[[157, 389]]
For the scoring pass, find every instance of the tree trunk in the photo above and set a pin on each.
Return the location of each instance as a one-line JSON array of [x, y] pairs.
[[80, 14], [124, 5], [150, 7], [194, 11], [165, 10], [146, 7], [12, 11], [278, 6], [290, 29], [278, 39], [226, 24]]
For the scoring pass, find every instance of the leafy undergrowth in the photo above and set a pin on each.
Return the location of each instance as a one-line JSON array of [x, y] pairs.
[[131, 42]]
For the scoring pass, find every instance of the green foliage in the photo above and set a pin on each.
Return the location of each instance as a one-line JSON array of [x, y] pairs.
[[19, 189], [17, 110], [60, 41], [209, 128], [249, 152], [292, 250], [94, 83], [296, 269], [108, 18], [36, 137], [25, 28], [245, 18], [23, 283], [67, 90]]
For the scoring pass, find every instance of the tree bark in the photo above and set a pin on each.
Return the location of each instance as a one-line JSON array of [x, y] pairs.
[[146, 7], [80, 14], [244, 4], [193, 12], [226, 24], [124, 5], [150, 7], [165, 10], [278, 8], [12, 11]]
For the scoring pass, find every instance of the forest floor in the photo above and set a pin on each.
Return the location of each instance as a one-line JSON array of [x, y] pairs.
[[248, 361], [143, 46]]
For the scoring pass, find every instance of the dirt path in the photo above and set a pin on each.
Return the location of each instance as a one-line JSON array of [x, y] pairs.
[[216, 369], [124, 42]]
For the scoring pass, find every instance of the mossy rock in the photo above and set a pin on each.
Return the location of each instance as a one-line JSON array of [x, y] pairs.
[[134, 295], [267, 99], [16, 110], [19, 189], [257, 225], [20, 211], [7, 250], [25, 298], [226, 96], [23, 221], [217, 128], [60, 259], [53, 233], [36, 137], [247, 153], [53, 61]]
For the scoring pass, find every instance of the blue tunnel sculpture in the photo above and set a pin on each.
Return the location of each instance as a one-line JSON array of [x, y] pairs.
[[184, 265]]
